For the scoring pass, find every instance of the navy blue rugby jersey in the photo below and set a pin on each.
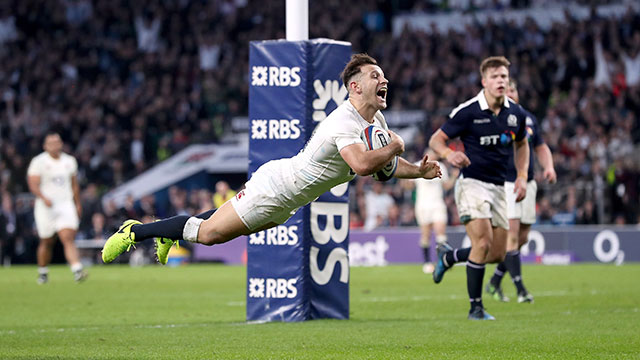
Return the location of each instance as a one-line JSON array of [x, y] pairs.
[[534, 139], [487, 138]]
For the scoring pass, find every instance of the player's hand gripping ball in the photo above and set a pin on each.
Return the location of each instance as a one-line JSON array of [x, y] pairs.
[[375, 137]]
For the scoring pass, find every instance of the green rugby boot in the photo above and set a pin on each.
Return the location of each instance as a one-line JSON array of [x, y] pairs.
[[119, 242], [496, 292], [163, 245]]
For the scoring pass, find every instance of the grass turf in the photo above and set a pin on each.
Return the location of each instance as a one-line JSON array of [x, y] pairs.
[[197, 311]]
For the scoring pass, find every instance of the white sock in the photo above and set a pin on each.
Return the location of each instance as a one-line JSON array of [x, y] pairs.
[[76, 267], [43, 270], [190, 231]]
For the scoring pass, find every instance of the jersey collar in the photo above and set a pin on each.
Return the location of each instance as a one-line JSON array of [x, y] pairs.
[[484, 105]]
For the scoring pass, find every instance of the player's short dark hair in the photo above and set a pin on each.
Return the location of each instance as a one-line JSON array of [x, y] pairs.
[[353, 67], [493, 62], [51, 133]]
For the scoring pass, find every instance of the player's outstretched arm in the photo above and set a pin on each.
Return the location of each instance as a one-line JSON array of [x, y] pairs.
[[426, 169]]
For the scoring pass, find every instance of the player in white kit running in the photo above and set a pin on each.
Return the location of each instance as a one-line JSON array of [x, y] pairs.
[[431, 211], [52, 179], [334, 154]]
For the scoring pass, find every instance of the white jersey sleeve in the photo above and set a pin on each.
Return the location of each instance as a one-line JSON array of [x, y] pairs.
[[35, 166]]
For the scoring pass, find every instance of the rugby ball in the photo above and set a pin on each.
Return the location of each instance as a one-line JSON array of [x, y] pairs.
[[375, 137]]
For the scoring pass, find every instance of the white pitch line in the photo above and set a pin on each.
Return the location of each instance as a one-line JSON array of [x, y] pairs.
[[457, 297], [235, 303], [373, 299]]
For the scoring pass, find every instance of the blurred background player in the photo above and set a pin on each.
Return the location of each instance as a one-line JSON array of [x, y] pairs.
[[52, 179], [489, 125], [431, 211], [222, 194], [334, 154], [522, 214], [379, 204]]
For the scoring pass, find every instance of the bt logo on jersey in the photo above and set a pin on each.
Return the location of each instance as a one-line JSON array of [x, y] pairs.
[[279, 235], [275, 76], [504, 139], [489, 140], [272, 288], [275, 129]]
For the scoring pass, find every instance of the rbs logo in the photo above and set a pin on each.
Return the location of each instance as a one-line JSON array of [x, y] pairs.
[[279, 235], [275, 76], [321, 274], [272, 288], [275, 129]]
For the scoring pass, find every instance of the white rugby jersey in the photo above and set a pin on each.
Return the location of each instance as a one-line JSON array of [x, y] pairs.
[[318, 166], [55, 175], [430, 192]]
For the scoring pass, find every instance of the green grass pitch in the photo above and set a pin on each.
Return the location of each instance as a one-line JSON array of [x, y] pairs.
[[197, 312]]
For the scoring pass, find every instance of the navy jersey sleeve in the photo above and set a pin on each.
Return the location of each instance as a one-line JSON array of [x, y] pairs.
[[455, 125], [522, 125], [536, 137]]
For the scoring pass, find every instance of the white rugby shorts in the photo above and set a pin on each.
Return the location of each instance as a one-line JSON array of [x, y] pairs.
[[431, 213], [264, 198], [50, 220], [477, 199], [524, 210]]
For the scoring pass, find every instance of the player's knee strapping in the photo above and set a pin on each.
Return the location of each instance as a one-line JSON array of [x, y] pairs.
[[190, 230]]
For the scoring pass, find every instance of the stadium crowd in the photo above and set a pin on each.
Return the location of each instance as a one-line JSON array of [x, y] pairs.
[[128, 84]]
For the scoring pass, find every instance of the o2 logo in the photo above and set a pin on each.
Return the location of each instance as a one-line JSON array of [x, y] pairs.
[[614, 254]]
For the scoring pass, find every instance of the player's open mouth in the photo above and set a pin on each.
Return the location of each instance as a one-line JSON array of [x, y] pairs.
[[382, 93]]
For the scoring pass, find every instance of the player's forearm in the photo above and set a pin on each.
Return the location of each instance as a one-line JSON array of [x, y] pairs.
[[34, 187], [76, 196], [543, 153], [76, 190], [438, 143], [407, 170], [521, 159], [366, 163], [375, 160]]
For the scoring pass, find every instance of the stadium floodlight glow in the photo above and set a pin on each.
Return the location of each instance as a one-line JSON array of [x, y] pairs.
[[297, 14]]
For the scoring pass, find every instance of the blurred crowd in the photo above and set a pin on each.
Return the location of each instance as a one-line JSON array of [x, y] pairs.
[[128, 84]]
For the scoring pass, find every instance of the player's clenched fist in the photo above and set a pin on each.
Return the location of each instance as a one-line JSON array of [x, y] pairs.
[[458, 159]]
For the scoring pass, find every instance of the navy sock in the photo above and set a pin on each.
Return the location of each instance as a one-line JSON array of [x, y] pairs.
[[456, 255], [475, 275], [425, 253], [170, 228], [512, 262], [496, 279]]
